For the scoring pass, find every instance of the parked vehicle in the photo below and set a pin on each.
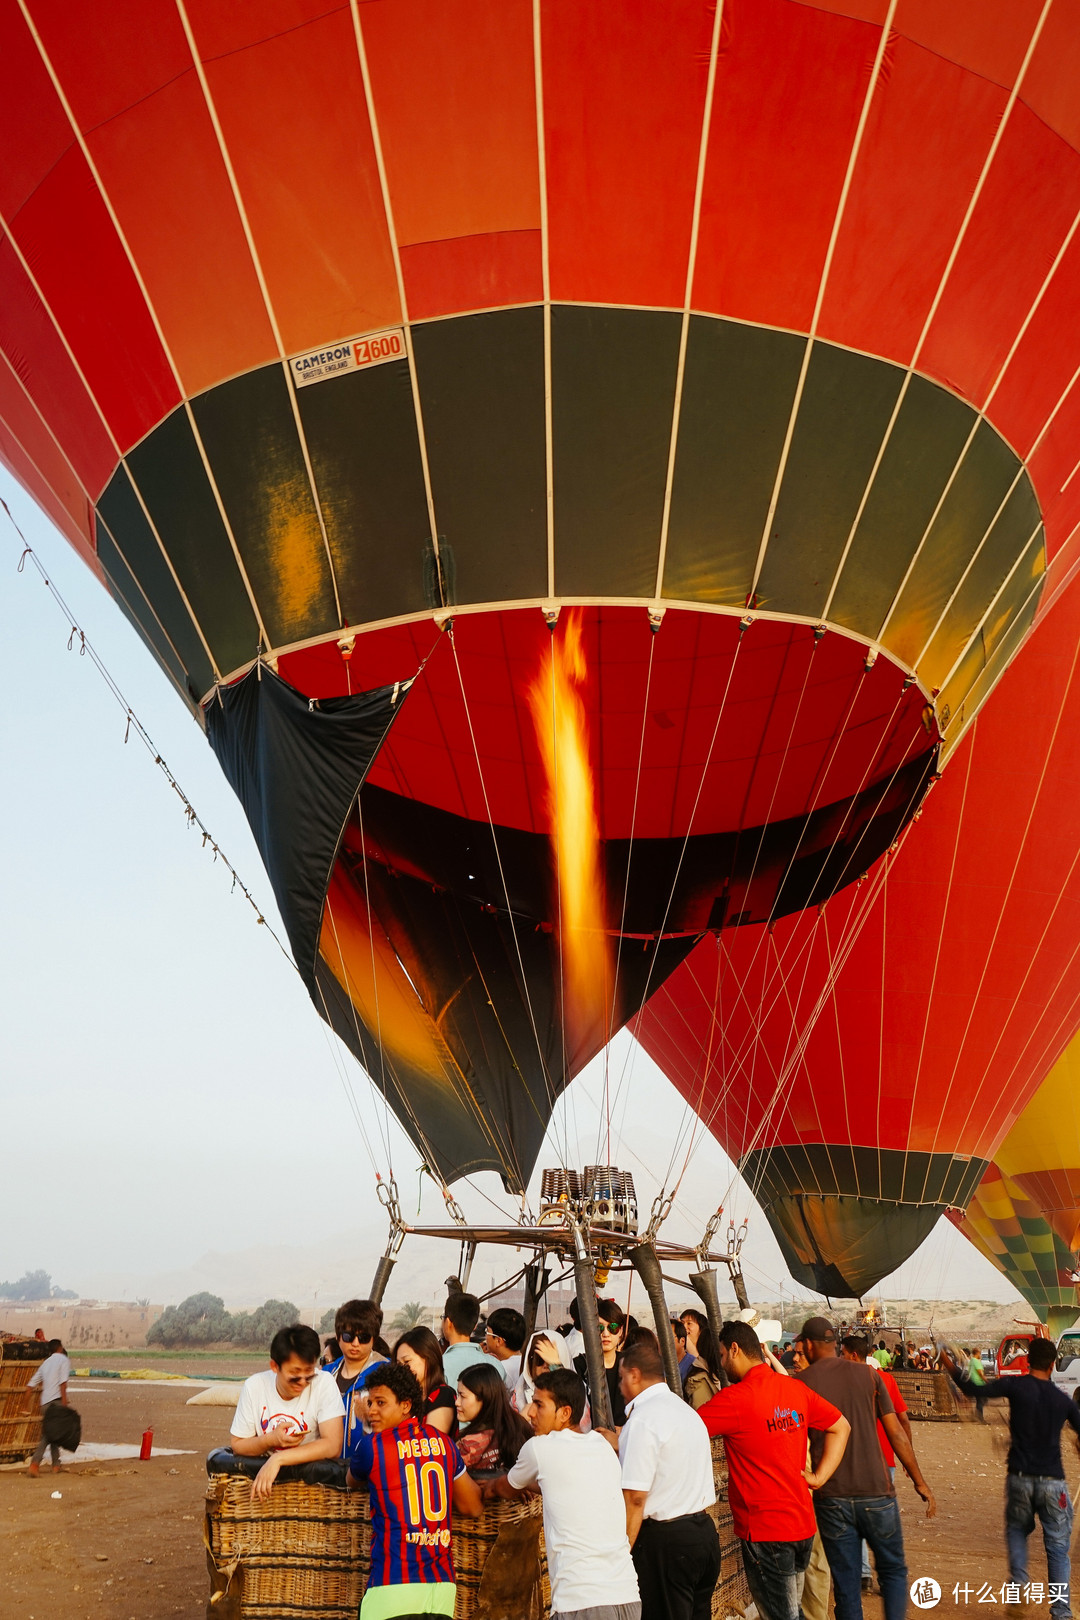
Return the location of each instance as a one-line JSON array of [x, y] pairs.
[[1012, 1355], [1066, 1373]]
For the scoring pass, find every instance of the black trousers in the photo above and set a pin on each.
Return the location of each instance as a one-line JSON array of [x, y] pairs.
[[678, 1566]]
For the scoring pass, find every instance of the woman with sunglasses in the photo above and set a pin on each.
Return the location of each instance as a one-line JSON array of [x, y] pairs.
[[492, 1433], [357, 1325], [419, 1350], [613, 1328]]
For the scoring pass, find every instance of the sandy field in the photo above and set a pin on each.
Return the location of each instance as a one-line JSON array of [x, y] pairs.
[[124, 1542]]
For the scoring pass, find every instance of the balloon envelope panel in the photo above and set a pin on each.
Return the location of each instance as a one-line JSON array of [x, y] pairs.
[[876, 1052], [1012, 1233], [318, 328]]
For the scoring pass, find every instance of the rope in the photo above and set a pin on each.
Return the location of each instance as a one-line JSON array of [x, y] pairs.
[[132, 724]]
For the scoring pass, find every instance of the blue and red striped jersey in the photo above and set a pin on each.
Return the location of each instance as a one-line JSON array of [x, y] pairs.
[[410, 1472]]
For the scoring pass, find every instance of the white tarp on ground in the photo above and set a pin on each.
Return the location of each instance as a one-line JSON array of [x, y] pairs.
[[217, 1395]]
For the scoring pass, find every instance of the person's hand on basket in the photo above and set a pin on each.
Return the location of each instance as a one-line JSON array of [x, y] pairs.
[[263, 1482]]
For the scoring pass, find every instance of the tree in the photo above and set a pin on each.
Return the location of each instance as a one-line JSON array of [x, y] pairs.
[[327, 1323], [199, 1319], [410, 1315], [258, 1327], [31, 1285], [202, 1319]]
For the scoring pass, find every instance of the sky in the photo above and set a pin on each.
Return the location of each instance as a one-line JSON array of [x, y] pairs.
[[169, 1092]]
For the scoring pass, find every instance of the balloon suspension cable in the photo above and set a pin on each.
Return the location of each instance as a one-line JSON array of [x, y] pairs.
[[736, 1239], [132, 723], [388, 1197]]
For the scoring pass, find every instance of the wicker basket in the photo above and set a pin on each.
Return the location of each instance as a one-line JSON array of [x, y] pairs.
[[20, 1413], [732, 1595], [929, 1395], [307, 1551]]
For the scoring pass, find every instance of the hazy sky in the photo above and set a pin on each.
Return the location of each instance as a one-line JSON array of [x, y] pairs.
[[168, 1087]]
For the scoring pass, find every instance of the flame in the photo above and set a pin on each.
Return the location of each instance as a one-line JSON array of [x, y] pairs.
[[562, 731]]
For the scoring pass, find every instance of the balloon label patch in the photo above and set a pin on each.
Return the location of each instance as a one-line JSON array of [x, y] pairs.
[[355, 355]]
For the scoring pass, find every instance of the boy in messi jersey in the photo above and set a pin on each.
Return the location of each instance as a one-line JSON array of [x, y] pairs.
[[413, 1474]]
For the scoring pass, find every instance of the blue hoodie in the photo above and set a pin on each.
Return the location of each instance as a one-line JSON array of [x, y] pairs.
[[354, 1421]]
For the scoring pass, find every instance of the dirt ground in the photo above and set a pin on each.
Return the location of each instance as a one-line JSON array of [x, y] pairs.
[[124, 1542]]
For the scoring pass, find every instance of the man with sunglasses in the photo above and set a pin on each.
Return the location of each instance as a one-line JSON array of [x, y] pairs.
[[357, 1325]]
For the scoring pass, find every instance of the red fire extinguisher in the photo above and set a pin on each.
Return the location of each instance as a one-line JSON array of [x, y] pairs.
[[147, 1443]]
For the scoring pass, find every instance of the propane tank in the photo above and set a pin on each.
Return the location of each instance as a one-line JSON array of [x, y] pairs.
[[147, 1443]]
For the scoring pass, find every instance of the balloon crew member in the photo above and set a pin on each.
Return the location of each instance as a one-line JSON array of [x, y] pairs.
[[856, 1347], [413, 1474], [460, 1316], [592, 1572], [667, 1482], [764, 1418], [976, 1374], [858, 1503], [51, 1379], [419, 1350], [490, 1432], [291, 1414], [504, 1339], [1035, 1479], [357, 1325]]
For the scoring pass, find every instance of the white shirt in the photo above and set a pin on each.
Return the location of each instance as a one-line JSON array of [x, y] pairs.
[[261, 1408], [584, 1519], [52, 1373], [664, 1449], [575, 1343], [511, 1371]]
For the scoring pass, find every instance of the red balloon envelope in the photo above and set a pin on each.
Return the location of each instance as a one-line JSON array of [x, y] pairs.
[[321, 327], [861, 1063]]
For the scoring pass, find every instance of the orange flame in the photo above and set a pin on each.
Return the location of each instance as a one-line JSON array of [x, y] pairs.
[[562, 731]]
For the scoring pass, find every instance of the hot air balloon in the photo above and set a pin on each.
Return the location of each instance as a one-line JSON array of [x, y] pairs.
[[862, 1063], [1012, 1233], [411, 372], [1041, 1153]]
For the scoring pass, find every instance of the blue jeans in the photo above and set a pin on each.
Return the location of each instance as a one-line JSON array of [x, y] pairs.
[[844, 1522], [1028, 1498], [774, 1573], [866, 1570]]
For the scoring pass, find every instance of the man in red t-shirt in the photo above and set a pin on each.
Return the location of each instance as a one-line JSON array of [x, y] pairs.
[[764, 1418]]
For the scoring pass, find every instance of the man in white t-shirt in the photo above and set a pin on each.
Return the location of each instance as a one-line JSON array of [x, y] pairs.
[[51, 1379], [592, 1573], [667, 1480], [293, 1413]]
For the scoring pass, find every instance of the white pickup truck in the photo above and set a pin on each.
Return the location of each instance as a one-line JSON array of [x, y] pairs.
[[1066, 1373]]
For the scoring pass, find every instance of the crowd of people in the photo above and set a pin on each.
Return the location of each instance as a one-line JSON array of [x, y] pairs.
[[432, 1429]]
